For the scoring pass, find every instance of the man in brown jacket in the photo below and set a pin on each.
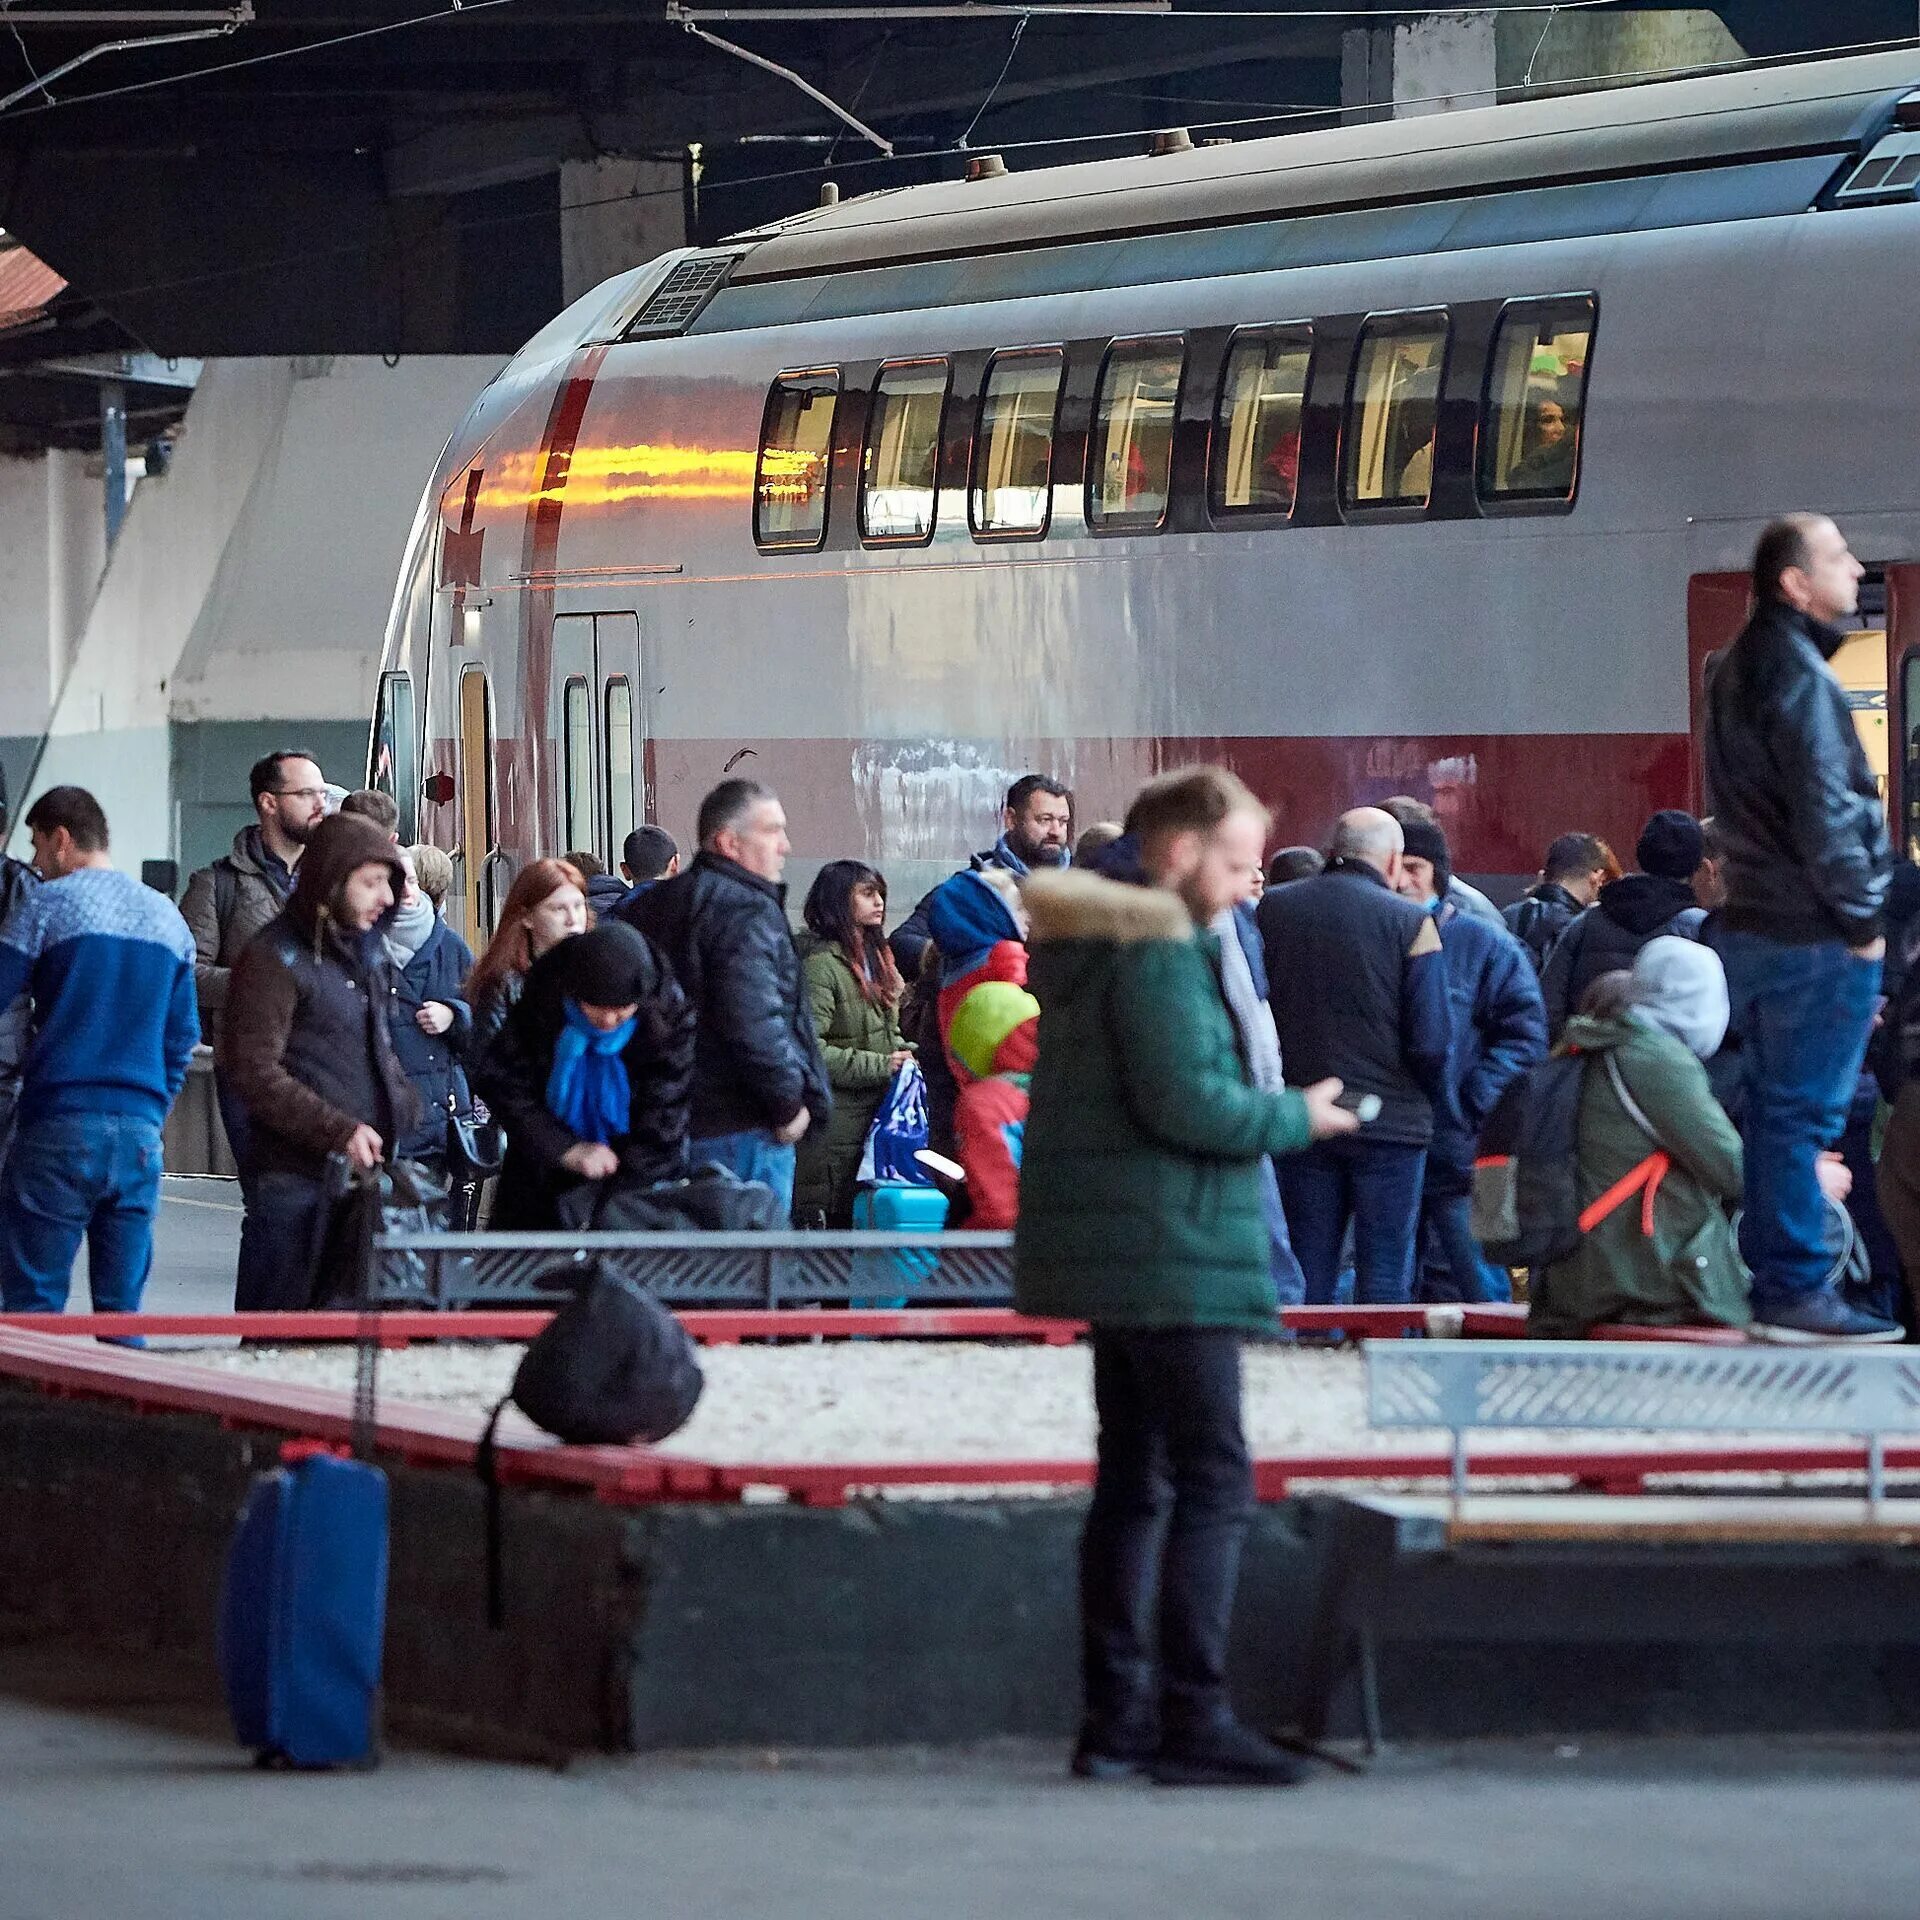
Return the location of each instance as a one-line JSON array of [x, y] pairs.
[[306, 1049], [227, 903]]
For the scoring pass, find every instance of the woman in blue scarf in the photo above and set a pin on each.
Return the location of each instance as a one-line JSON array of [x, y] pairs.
[[590, 1075]]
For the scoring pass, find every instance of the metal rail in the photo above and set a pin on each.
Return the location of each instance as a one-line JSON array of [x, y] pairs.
[[699, 1269], [1575, 1386]]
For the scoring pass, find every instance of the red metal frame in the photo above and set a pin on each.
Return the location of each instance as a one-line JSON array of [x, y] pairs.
[[635, 1476], [718, 1327]]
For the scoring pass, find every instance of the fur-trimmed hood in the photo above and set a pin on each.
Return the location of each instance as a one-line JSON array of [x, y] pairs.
[[1077, 905]]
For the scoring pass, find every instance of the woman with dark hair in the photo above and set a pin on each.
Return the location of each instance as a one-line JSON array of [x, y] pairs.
[[546, 904], [591, 1075], [854, 989]]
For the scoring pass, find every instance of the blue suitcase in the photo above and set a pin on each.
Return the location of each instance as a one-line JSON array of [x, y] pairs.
[[895, 1208], [303, 1611]]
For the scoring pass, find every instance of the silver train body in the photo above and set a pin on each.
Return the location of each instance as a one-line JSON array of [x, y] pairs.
[[588, 633]]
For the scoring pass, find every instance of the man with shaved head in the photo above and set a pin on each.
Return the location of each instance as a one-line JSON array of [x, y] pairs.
[[1806, 867], [1359, 992]]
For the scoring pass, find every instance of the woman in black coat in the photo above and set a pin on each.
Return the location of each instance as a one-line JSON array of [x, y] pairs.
[[591, 1075], [431, 1023]]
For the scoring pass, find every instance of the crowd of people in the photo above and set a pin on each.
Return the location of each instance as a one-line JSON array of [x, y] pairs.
[[1198, 1082], [639, 1024]]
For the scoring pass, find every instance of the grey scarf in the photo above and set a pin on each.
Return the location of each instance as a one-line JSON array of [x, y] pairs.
[[409, 930], [1259, 1040]]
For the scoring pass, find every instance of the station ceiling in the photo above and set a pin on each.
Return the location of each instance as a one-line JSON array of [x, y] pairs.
[[385, 175]]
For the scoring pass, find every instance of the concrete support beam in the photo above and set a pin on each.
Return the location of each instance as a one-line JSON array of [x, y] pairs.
[[1445, 61], [615, 214]]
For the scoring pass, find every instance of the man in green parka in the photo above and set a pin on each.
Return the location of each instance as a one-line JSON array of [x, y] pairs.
[[1140, 1211]]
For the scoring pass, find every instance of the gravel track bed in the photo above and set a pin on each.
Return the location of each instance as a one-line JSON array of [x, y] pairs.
[[889, 1401]]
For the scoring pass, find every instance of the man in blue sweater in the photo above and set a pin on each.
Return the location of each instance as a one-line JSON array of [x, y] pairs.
[[109, 965]]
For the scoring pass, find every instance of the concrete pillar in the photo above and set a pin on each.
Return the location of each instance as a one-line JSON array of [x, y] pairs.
[[615, 214], [1440, 62]]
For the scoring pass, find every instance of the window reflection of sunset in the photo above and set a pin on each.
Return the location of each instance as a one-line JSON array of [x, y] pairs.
[[605, 476]]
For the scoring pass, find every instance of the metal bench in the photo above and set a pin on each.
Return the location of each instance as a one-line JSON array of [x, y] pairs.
[[1665, 1566]]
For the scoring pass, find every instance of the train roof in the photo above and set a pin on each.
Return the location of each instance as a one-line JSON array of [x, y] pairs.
[[1716, 120]]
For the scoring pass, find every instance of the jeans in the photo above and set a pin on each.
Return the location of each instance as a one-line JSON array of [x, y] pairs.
[[753, 1155], [75, 1176], [1160, 1554], [1289, 1283], [239, 1130], [1376, 1185], [1452, 1265], [1802, 1015], [279, 1244]]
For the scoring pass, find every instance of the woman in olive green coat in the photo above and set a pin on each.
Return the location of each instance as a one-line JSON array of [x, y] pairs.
[[853, 988], [1657, 1025]]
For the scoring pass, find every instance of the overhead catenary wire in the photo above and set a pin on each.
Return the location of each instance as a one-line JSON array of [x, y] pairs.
[[43, 82]]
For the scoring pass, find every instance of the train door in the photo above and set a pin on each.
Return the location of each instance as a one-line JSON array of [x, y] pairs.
[[477, 866], [598, 732], [1878, 665], [625, 800], [573, 731], [1902, 600]]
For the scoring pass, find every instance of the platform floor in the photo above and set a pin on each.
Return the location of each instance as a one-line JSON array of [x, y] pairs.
[[113, 1801]]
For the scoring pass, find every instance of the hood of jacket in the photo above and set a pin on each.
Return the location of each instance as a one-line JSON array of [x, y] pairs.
[[1079, 917], [966, 916], [1645, 902], [1682, 990], [341, 843]]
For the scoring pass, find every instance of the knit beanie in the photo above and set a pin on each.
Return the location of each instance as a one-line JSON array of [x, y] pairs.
[[607, 967], [1425, 841], [1671, 845], [987, 1016]]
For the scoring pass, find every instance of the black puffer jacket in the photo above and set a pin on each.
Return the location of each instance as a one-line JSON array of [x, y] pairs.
[[304, 1042], [512, 1078], [1606, 937], [1792, 796], [724, 933]]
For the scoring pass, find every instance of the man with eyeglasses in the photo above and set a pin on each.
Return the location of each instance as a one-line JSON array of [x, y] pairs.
[[227, 903]]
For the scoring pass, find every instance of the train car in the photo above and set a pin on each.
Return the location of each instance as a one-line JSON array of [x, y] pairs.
[[1422, 457]]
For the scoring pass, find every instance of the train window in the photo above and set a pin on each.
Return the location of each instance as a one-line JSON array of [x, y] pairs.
[[1130, 460], [796, 452], [576, 750], [1256, 439], [620, 820], [476, 799], [1013, 449], [1393, 411], [1536, 395], [396, 768], [899, 470]]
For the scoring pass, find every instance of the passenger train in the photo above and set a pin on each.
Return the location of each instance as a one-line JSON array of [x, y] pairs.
[[1424, 456]]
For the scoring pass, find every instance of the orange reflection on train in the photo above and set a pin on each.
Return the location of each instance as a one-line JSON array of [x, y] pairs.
[[607, 476]]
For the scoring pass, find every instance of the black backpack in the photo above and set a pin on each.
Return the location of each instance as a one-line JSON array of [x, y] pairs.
[[613, 1366], [1526, 1180], [1526, 1171]]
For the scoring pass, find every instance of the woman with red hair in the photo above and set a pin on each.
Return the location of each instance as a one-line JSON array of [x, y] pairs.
[[546, 904]]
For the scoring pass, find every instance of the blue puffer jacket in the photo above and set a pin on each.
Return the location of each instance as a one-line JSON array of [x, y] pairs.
[[1499, 1031], [434, 1063]]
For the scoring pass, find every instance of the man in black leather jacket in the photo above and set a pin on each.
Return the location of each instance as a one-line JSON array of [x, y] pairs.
[[759, 1081], [1807, 867]]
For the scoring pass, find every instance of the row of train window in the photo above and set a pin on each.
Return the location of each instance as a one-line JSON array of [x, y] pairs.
[[1527, 442]]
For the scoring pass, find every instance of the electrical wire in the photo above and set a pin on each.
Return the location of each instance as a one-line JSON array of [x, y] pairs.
[[448, 12], [1006, 67], [20, 42]]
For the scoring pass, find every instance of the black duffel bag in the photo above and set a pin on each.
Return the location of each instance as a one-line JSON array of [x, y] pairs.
[[710, 1200], [613, 1366]]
